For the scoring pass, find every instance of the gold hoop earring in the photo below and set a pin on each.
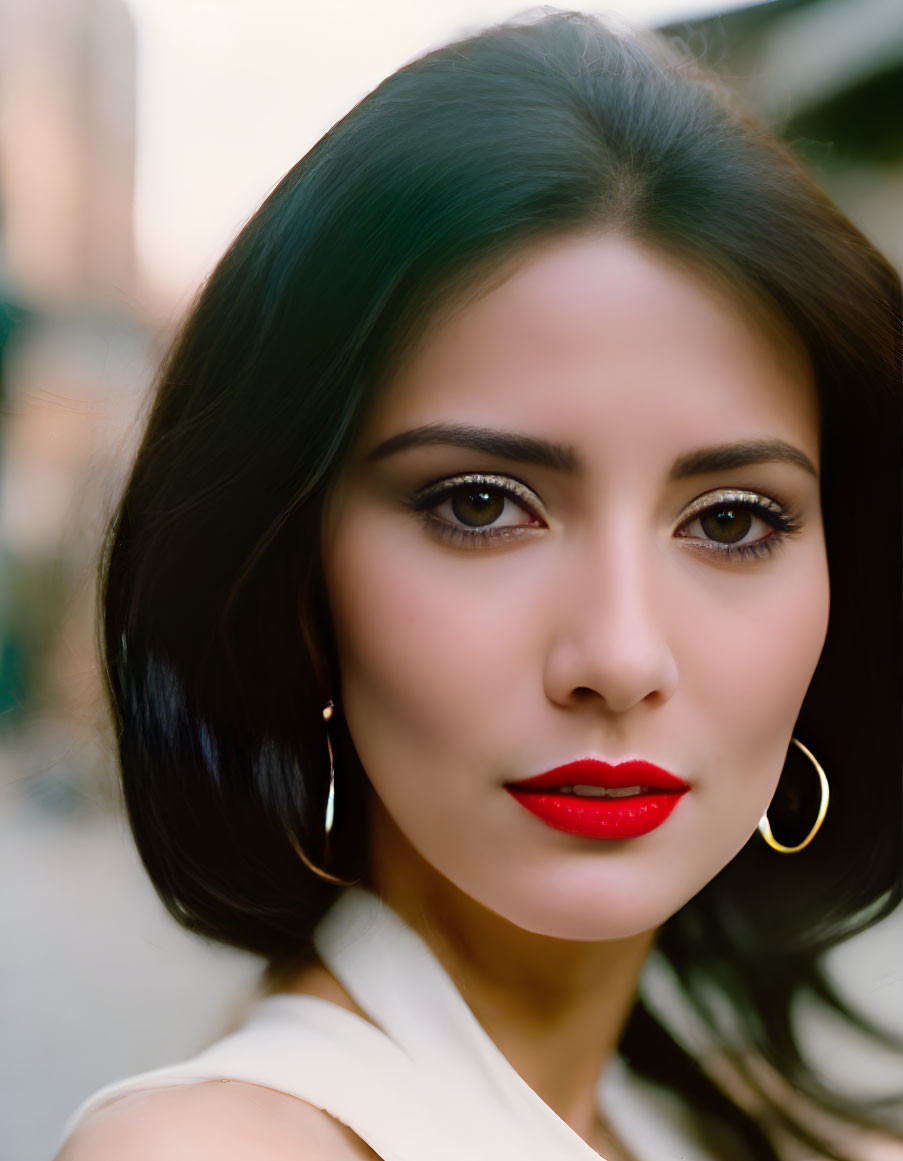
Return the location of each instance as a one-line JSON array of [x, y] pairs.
[[329, 817], [765, 825]]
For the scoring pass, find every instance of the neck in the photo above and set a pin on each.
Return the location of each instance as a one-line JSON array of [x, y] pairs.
[[555, 1008]]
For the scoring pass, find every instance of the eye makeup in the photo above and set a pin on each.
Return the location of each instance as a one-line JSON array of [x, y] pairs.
[[734, 511], [483, 485], [731, 513]]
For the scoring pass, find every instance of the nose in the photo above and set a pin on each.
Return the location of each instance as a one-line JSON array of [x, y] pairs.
[[609, 638]]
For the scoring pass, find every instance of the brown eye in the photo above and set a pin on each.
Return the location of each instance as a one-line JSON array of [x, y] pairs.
[[726, 525], [734, 524], [477, 507], [479, 510]]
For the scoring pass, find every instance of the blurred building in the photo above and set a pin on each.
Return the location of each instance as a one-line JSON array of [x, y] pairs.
[[67, 143], [75, 349]]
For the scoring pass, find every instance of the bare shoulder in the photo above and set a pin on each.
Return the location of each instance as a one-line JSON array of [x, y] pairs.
[[221, 1119]]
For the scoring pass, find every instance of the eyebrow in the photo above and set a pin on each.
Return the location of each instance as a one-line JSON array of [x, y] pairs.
[[561, 457], [524, 448], [723, 457]]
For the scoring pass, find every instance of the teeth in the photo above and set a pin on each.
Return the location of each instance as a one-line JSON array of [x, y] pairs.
[[602, 792]]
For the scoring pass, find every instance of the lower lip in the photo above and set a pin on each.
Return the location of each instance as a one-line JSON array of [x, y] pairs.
[[606, 818]]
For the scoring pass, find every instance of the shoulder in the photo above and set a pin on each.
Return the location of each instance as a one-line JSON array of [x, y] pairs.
[[228, 1120]]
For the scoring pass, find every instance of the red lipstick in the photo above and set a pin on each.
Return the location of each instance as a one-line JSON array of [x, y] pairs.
[[597, 800]]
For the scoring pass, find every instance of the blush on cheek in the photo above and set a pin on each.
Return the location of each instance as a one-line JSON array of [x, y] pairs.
[[768, 641], [792, 634], [434, 635], [399, 644], [747, 655]]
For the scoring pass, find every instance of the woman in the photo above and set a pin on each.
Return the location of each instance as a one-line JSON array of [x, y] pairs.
[[477, 553]]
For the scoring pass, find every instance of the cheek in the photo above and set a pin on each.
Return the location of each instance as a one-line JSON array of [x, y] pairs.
[[751, 669], [782, 650], [420, 649]]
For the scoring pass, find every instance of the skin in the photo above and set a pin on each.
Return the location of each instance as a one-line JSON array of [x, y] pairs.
[[602, 623]]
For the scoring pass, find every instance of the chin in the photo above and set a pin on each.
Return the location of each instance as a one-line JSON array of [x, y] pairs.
[[593, 920], [580, 905]]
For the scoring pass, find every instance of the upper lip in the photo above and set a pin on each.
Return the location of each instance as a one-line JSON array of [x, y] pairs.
[[593, 772]]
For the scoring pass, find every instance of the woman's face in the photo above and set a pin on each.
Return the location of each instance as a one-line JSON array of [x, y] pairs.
[[594, 533]]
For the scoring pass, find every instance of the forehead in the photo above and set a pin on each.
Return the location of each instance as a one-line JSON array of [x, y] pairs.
[[597, 340]]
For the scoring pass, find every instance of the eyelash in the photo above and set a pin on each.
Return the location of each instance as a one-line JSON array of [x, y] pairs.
[[779, 517]]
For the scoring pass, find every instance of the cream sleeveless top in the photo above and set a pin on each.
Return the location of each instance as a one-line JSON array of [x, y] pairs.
[[426, 1082]]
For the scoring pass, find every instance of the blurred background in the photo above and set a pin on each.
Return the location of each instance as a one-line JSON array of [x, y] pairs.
[[136, 136]]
